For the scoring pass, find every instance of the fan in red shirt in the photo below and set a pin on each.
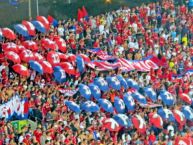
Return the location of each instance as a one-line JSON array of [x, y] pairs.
[[152, 137], [183, 9], [4, 76], [119, 40], [38, 133], [46, 107], [96, 44]]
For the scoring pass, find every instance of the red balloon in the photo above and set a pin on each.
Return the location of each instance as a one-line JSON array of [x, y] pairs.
[[27, 55], [22, 70], [47, 67], [10, 46], [53, 58], [8, 33], [111, 124], [30, 45], [68, 68], [12, 56], [48, 44]]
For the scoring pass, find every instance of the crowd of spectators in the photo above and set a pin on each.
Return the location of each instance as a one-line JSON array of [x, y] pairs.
[[161, 29]]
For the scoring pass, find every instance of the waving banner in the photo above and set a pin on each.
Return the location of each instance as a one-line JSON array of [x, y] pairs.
[[15, 107], [125, 65], [68, 92]]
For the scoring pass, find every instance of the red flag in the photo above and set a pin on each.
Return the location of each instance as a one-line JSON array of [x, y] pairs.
[[50, 19], [80, 14], [84, 11]]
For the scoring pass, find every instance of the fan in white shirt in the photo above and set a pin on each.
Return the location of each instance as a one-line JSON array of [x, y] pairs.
[[101, 29], [170, 129], [61, 30], [126, 138]]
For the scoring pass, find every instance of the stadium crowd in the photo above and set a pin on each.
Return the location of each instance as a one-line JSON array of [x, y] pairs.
[[161, 29]]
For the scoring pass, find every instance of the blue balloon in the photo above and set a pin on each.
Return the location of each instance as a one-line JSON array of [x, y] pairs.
[[73, 106], [188, 112], [114, 83], [119, 105], [84, 91], [123, 120], [166, 114], [59, 75], [129, 101], [151, 93], [106, 105], [167, 98], [80, 64], [95, 91], [132, 83], [57, 68], [122, 81], [102, 84], [21, 29], [90, 106], [140, 98], [39, 26], [36, 66], [55, 23]]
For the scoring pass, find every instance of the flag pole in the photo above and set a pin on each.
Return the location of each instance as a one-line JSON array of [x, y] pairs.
[[29, 8], [37, 6]]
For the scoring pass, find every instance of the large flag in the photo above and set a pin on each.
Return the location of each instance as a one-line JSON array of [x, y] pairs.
[[84, 11], [80, 15], [15, 106]]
